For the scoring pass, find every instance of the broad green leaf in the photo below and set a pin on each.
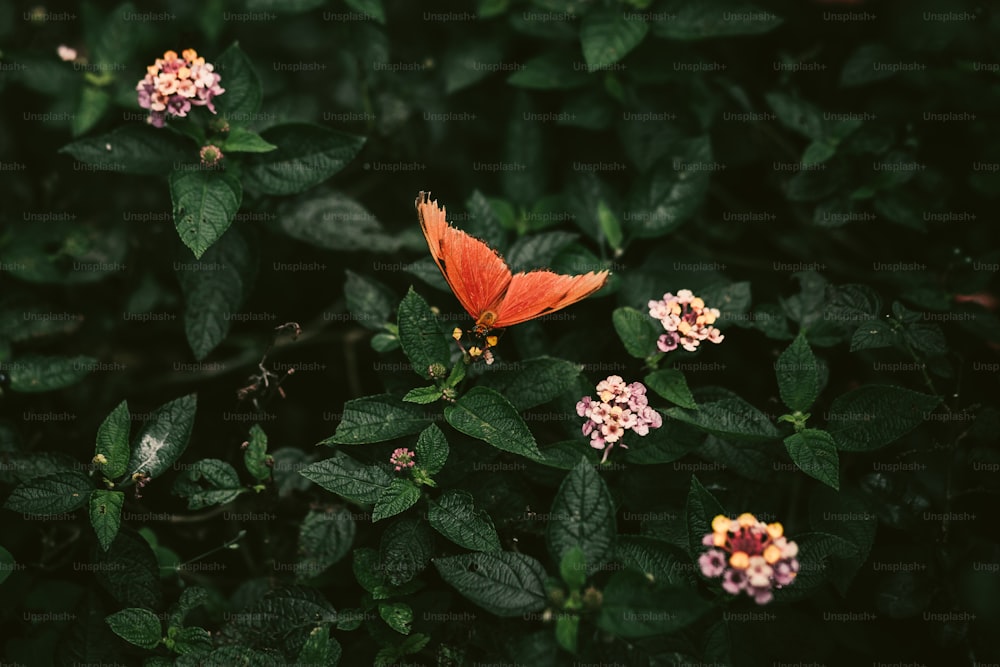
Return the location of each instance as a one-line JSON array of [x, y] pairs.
[[320, 648], [454, 515], [488, 416], [333, 221], [671, 384], [504, 583], [672, 441], [567, 631], [523, 178], [128, 570], [609, 225], [240, 102], [399, 496], [799, 115], [532, 382], [582, 516], [608, 34], [664, 562], [164, 437], [634, 607], [798, 375], [242, 140], [106, 515], [815, 453], [35, 373], [573, 568], [637, 331], [370, 302], [397, 615], [720, 18], [93, 103], [50, 494], [208, 482], [701, 508], [214, 288], [873, 416], [423, 395], [135, 148], [537, 250], [554, 70], [140, 627], [728, 418], [671, 192], [405, 550], [325, 537], [349, 479], [112, 441], [205, 201], [372, 8], [255, 456], [190, 640], [420, 335], [431, 449], [306, 156], [280, 612], [191, 598], [376, 419]]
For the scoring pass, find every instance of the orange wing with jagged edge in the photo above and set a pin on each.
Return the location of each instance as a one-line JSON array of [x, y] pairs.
[[482, 281], [538, 293], [475, 272]]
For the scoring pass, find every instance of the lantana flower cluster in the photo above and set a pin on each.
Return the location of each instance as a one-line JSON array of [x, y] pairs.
[[176, 83], [402, 458], [750, 556], [619, 407], [687, 321]]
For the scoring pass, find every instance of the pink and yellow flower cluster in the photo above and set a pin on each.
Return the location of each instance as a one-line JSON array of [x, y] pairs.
[[176, 83], [686, 319], [620, 407], [750, 556], [401, 459]]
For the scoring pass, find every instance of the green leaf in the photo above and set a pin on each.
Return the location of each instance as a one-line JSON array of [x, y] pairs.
[[164, 437], [672, 191], [191, 640], [405, 550], [279, 613], [35, 373], [533, 382], [420, 335], [798, 115], [93, 103], [214, 288], [728, 418], [205, 201], [333, 221], [320, 648], [397, 615], [242, 140], [583, 516], [399, 496], [537, 251], [208, 482], [636, 330], [798, 375], [873, 334], [128, 570], [255, 456], [554, 70], [191, 598], [633, 607], [370, 302], [567, 631], [609, 225], [488, 416], [573, 568], [699, 511], [240, 102], [671, 384], [503, 583], [664, 562], [140, 627], [135, 148], [815, 453], [7, 564], [112, 441], [106, 515], [523, 178], [607, 35], [852, 303], [56, 493], [454, 515], [349, 479], [431, 449], [672, 441], [306, 156], [376, 419], [423, 395], [720, 18], [486, 223], [372, 8], [872, 416], [325, 537]]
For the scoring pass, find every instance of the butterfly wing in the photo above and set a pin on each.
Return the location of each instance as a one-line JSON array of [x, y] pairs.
[[475, 272], [538, 293]]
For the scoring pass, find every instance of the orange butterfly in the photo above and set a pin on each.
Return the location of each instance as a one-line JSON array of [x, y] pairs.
[[483, 283]]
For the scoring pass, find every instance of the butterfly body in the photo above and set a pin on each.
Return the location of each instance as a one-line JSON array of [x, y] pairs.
[[483, 283]]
